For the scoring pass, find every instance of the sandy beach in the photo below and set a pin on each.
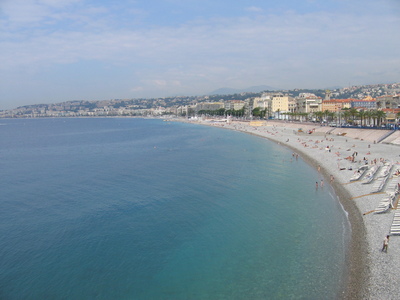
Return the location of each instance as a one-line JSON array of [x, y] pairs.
[[372, 274]]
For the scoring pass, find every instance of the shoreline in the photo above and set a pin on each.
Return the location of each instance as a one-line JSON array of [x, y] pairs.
[[369, 273], [355, 272]]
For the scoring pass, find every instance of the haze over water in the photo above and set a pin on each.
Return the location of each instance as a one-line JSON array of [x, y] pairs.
[[145, 209]]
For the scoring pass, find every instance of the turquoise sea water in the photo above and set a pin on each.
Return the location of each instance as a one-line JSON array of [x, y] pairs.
[[146, 209]]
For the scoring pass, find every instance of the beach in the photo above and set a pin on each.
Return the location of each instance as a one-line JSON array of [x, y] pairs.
[[371, 273]]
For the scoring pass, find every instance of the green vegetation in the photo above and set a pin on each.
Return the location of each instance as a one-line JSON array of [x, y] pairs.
[[259, 113]]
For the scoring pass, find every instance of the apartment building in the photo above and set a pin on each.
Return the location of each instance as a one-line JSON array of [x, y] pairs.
[[335, 105], [367, 103], [388, 102], [308, 103], [209, 106], [283, 103], [234, 104]]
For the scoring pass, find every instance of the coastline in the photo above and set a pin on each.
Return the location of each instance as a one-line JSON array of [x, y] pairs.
[[370, 273]]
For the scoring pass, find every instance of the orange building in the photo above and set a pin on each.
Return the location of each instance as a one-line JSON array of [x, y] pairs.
[[335, 105]]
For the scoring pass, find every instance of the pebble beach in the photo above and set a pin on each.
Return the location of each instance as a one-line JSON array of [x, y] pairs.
[[337, 153]]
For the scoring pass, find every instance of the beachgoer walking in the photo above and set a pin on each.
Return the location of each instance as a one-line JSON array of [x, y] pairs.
[[316, 185], [322, 183], [332, 178], [385, 244]]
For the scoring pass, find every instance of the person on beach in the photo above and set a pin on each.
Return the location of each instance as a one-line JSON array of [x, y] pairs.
[[316, 185], [322, 183], [385, 244]]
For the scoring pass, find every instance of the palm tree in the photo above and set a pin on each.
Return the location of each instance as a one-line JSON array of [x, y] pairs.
[[346, 115], [353, 113], [368, 116], [374, 117], [361, 114], [380, 115], [326, 114], [318, 115], [278, 111], [304, 116], [338, 117], [331, 115]]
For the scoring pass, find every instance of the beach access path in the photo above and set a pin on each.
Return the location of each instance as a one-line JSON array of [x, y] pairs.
[[372, 274]]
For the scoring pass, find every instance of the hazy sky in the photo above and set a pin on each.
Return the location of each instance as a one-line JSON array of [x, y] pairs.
[[57, 50]]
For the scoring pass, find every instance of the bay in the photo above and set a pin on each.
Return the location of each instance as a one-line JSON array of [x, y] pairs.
[[118, 208]]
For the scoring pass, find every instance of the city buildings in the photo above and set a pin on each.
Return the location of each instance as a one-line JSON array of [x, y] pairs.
[[293, 104]]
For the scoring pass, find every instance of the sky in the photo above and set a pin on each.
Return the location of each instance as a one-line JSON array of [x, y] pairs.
[[59, 50]]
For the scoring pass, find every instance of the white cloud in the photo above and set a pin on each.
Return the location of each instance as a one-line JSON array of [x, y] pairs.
[[57, 3], [279, 50], [254, 9], [23, 12], [244, 39]]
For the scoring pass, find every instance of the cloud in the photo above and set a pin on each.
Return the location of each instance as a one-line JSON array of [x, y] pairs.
[[22, 12], [223, 39], [282, 50], [254, 9]]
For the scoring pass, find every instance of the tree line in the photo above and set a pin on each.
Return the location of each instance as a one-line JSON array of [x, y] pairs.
[[349, 116]]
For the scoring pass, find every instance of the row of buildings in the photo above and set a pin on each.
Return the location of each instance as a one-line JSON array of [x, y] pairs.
[[280, 104]]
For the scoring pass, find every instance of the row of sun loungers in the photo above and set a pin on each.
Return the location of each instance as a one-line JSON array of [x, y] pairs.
[[380, 175], [393, 185], [392, 188], [392, 191], [385, 204], [395, 228], [382, 178], [370, 175], [359, 173]]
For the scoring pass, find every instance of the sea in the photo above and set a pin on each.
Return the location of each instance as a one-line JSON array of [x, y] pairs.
[[129, 208]]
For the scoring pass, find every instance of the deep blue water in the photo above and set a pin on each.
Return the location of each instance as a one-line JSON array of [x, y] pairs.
[[146, 209]]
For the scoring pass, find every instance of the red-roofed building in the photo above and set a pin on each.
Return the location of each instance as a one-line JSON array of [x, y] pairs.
[[335, 105]]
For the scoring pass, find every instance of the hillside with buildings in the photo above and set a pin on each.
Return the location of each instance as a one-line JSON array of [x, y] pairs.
[[337, 105]]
